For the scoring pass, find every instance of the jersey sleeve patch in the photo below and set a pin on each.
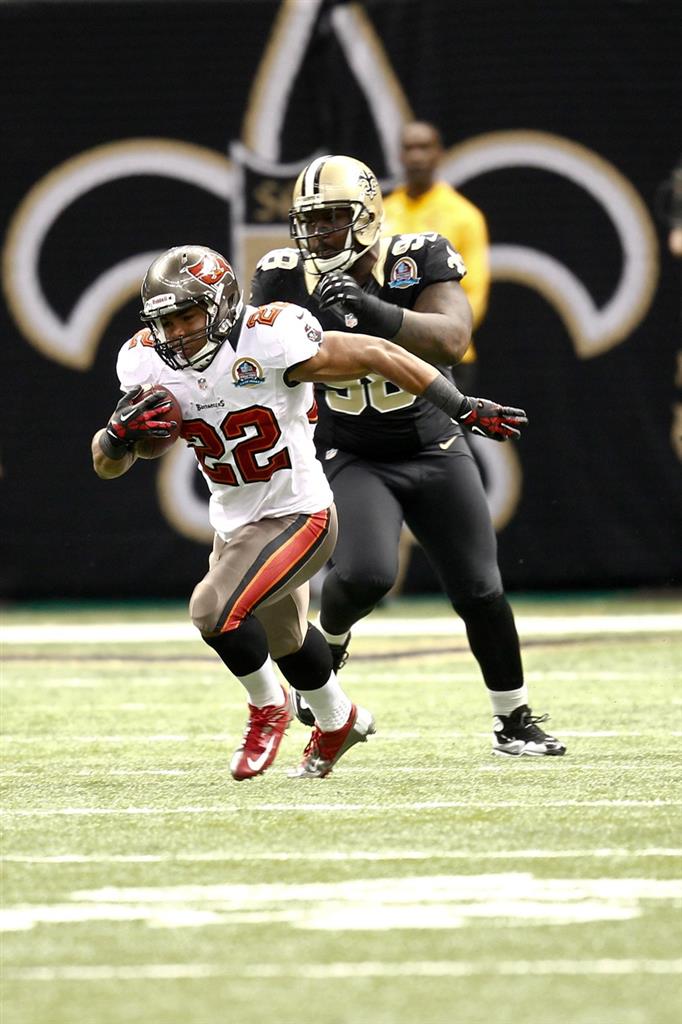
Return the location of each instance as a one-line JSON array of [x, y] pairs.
[[415, 261]]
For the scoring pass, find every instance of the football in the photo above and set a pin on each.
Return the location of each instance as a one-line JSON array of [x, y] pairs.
[[154, 447]]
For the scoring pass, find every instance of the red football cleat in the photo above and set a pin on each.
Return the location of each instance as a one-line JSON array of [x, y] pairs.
[[262, 737], [325, 748]]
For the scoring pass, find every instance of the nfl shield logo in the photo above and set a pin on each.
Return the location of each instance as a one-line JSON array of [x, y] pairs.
[[350, 320]]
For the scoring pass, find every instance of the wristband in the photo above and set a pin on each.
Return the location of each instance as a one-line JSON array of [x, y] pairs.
[[443, 394], [382, 318], [113, 449]]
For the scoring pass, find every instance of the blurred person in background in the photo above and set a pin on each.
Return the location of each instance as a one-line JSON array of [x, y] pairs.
[[390, 457], [425, 203]]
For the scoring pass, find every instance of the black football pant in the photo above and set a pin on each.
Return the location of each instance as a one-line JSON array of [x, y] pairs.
[[439, 494]]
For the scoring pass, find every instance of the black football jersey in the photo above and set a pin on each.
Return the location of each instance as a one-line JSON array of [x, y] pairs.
[[372, 417]]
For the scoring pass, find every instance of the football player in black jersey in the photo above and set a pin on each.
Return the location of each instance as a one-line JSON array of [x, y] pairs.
[[390, 456]]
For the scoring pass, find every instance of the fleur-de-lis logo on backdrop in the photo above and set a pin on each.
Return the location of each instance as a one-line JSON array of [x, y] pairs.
[[72, 339]]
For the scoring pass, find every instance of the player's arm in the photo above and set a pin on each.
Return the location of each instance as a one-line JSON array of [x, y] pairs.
[[438, 329], [132, 420], [343, 357], [106, 467]]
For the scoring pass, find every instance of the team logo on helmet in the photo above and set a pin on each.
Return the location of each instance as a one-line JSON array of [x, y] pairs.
[[210, 269], [368, 183], [246, 373], [404, 274]]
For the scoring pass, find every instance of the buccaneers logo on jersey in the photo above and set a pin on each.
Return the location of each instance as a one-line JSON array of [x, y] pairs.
[[211, 269]]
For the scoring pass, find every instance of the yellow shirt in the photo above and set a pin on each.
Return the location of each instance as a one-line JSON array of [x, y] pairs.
[[444, 210]]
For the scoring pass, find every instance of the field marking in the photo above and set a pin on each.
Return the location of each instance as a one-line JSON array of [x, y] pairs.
[[183, 631], [419, 902], [392, 735], [376, 678], [389, 770], [258, 808], [219, 857], [344, 969]]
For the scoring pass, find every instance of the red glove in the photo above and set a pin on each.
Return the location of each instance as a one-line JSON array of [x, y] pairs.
[[492, 420], [134, 420]]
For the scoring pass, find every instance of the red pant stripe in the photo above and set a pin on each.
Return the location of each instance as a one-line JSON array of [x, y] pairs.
[[282, 563]]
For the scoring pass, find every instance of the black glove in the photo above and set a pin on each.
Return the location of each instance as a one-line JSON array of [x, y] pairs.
[[134, 421], [490, 419], [374, 315]]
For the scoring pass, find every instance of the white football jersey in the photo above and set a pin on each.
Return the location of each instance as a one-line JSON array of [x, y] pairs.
[[252, 434]]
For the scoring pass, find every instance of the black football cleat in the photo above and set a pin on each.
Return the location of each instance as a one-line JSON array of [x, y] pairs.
[[340, 654], [519, 735], [299, 708]]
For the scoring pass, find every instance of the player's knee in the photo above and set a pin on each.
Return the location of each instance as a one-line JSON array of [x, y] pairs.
[[479, 600], [287, 641], [366, 593], [204, 607]]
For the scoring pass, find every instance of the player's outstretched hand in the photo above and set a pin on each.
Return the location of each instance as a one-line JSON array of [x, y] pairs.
[[135, 419], [500, 422]]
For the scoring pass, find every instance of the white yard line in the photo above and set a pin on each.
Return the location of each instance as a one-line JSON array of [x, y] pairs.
[[444, 675], [533, 765], [259, 808], [183, 631], [393, 735], [350, 970], [341, 855]]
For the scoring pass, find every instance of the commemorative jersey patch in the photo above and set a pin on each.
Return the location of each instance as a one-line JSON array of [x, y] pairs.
[[246, 373], [404, 273]]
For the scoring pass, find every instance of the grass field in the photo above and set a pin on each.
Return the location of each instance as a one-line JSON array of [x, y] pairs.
[[424, 882]]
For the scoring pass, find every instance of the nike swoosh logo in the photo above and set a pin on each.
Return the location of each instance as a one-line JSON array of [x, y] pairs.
[[256, 764], [126, 415], [446, 444]]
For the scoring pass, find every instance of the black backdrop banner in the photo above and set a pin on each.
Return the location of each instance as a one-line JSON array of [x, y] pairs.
[[133, 126]]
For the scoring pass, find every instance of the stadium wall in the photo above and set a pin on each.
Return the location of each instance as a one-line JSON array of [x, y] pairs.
[[130, 127]]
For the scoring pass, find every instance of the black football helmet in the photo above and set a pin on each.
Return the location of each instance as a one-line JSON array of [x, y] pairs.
[[333, 183], [190, 275]]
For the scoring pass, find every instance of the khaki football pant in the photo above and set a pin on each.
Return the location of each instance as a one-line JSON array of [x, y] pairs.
[[264, 570]]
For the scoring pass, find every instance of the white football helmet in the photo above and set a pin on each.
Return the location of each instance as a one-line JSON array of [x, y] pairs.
[[190, 275], [327, 185]]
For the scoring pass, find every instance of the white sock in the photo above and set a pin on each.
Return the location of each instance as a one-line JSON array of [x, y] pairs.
[[263, 686], [329, 704], [506, 701], [332, 638]]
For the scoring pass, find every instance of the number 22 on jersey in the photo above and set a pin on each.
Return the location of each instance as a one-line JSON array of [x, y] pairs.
[[209, 446]]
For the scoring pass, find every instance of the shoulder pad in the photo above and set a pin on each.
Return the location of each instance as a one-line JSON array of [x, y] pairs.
[[427, 256], [279, 259]]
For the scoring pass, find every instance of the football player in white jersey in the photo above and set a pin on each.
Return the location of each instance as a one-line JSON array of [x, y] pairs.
[[242, 377]]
